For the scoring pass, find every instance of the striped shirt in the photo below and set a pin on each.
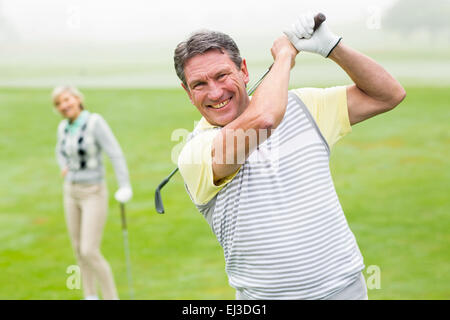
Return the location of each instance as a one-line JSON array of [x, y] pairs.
[[279, 220]]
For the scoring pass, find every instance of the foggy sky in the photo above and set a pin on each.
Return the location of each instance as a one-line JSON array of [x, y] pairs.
[[137, 20]]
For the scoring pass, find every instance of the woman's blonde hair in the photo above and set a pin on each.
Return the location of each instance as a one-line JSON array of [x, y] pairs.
[[72, 90]]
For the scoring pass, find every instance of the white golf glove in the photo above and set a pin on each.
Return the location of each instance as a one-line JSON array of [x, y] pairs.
[[124, 194], [303, 38]]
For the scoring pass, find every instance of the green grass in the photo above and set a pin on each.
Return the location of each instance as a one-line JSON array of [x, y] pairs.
[[391, 175]]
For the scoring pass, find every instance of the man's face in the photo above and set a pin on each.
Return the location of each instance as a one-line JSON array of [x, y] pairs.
[[216, 87]]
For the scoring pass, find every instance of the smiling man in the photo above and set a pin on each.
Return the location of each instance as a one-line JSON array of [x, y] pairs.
[[258, 169]]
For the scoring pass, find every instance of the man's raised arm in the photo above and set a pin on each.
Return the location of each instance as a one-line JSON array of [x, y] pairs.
[[238, 139], [375, 91]]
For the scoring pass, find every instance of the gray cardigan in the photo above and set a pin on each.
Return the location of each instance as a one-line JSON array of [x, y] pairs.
[[81, 151]]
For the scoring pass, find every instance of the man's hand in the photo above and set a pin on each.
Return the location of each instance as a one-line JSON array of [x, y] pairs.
[[64, 172], [304, 38], [283, 48]]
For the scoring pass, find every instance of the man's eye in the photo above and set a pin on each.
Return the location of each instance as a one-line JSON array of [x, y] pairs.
[[221, 76]]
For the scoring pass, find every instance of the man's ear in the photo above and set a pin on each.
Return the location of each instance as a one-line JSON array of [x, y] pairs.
[[244, 70], [188, 92]]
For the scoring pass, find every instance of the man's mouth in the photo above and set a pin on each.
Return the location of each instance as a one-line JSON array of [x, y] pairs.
[[220, 105]]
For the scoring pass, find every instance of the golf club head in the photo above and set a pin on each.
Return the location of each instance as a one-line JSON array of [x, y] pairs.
[[158, 201]]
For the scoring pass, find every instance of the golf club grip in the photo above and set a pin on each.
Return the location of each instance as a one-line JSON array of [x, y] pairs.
[[318, 19]]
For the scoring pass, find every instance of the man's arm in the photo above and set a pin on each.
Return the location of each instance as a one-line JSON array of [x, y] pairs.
[[375, 91], [263, 114]]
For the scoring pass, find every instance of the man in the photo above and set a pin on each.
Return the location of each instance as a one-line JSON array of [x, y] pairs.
[[257, 169]]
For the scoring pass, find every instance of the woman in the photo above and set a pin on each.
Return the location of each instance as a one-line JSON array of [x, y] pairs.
[[82, 136]]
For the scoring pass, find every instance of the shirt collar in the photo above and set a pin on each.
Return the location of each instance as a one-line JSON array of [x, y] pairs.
[[79, 121]]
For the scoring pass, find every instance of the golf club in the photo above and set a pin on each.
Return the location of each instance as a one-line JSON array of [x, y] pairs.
[[158, 200], [318, 19], [127, 250]]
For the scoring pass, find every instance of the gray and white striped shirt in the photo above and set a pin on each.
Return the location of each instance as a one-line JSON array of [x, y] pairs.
[[279, 221]]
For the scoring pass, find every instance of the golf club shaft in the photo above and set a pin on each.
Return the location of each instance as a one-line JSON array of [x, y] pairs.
[[127, 250]]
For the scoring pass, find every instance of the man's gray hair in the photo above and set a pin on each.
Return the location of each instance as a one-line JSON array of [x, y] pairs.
[[200, 42]]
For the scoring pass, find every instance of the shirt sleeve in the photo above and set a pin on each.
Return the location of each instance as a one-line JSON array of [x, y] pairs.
[[62, 161], [108, 142], [195, 164], [329, 109]]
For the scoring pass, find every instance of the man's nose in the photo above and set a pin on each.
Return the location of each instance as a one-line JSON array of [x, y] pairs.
[[215, 91]]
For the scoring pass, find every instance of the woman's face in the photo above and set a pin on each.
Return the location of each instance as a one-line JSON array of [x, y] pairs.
[[68, 105]]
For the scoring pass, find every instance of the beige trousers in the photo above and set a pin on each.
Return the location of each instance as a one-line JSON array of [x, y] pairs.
[[86, 209]]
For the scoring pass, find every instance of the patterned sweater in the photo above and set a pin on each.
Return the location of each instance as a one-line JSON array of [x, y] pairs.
[[79, 149]]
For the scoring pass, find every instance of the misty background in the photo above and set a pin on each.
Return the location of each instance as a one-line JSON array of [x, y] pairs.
[[130, 43]]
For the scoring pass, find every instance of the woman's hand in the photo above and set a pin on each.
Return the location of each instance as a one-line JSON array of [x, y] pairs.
[[124, 194]]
